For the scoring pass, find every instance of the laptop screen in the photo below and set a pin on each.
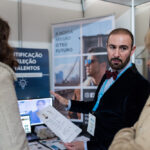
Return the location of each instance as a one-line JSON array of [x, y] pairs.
[[31, 107]]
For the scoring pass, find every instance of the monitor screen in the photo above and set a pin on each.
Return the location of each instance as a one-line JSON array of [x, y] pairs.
[[32, 106], [26, 123]]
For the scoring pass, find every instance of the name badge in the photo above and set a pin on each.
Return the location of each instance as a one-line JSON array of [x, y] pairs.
[[91, 124]]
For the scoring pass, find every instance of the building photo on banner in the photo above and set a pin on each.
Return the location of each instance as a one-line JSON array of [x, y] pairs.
[[79, 59]]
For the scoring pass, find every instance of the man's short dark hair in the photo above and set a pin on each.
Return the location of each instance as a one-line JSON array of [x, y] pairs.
[[101, 58], [122, 31]]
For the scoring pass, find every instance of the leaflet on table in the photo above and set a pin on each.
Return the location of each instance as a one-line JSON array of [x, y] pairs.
[[56, 144], [60, 125], [36, 146], [53, 144]]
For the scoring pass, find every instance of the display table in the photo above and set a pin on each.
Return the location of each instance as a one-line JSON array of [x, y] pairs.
[[52, 144]]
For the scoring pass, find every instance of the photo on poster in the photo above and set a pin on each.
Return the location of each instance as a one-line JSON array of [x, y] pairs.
[[97, 37], [94, 67], [67, 71], [94, 41], [72, 94]]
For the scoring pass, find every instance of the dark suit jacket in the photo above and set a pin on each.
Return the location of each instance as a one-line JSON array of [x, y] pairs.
[[119, 107]]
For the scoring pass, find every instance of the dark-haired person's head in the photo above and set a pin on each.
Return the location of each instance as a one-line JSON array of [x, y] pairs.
[[95, 62], [122, 31], [120, 48], [100, 58], [6, 51]]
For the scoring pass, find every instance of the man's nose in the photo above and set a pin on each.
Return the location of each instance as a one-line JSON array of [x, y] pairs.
[[116, 52]]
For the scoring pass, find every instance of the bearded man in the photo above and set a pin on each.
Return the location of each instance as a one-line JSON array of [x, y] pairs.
[[119, 97]]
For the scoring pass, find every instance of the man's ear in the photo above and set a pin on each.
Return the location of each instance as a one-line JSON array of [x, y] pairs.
[[133, 50]]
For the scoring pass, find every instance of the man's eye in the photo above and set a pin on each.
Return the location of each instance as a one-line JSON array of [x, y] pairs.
[[124, 48], [112, 47]]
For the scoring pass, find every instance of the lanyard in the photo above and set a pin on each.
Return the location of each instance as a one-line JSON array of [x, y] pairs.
[[101, 92]]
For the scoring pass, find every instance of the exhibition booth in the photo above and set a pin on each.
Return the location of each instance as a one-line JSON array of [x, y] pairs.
[[52, 41]]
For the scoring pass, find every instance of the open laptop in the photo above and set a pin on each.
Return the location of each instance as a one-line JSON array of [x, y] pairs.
[[28, 109]]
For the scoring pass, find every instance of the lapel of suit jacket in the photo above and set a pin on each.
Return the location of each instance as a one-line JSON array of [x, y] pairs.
[[124, 78], [99, 86]]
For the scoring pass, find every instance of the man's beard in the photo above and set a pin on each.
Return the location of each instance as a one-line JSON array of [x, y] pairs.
[[117, 66]]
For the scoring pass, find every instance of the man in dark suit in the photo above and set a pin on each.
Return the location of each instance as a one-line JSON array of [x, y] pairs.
[[119, 98]]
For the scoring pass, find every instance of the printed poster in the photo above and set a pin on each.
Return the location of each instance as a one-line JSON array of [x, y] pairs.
[[79, 59], [32, 73]]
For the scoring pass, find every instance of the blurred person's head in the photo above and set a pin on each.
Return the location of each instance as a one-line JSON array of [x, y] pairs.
[[120, 48], [96, 64], [147, 46], [40, 104], [6, 52]]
